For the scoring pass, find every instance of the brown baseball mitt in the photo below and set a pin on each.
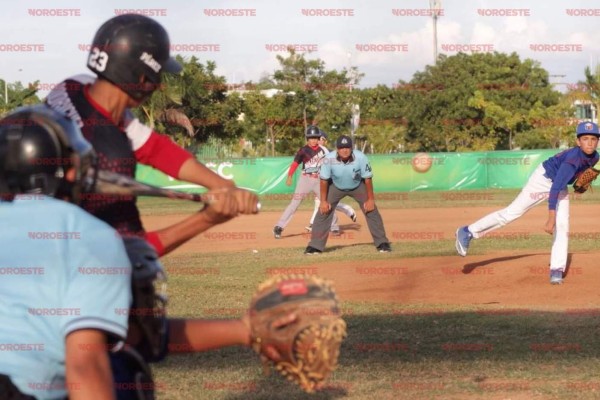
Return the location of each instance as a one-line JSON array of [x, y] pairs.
[[308, 344], [585, 179]]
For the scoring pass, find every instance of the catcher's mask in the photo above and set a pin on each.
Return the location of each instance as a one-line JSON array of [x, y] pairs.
[[131, 46], [149, 287], [39, 149]]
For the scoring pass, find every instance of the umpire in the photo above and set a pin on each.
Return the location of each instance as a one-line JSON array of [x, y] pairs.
[[346, 172]]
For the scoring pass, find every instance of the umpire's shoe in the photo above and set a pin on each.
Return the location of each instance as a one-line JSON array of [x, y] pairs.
[[463, 238], [277, 232], [384, 248], [312, 251]]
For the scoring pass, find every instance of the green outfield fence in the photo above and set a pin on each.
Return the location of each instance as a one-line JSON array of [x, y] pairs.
[[392, 172]]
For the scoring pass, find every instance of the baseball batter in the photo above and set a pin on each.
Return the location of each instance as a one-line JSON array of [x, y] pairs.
[[129, 54], [548, 181], [311, 157]]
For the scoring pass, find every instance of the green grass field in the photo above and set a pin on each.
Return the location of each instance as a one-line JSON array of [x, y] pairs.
[[393, 351]]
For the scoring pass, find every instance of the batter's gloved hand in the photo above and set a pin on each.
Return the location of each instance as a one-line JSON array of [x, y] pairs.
[[585, 179], [295, 324]]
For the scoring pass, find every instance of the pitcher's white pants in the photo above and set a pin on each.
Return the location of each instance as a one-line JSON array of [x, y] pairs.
[[535, 191]]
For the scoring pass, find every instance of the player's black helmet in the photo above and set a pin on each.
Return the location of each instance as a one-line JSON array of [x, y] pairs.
[[312, 132], [37, 147], [128, 47]]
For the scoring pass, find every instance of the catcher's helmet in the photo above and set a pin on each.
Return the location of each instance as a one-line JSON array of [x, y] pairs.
[[313, 132], [128, 47], [37, 147]]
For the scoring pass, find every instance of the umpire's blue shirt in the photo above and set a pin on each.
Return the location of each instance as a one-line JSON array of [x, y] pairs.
[[346, 175], [61, 270]]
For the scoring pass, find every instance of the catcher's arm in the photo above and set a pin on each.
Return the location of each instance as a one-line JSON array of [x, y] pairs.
[[195, 335]]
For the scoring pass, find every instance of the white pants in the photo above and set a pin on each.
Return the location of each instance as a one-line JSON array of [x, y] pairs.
[[345, 208], [535, 191]]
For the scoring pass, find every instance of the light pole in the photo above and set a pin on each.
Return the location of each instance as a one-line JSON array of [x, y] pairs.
[[435, 6], [355, 108]]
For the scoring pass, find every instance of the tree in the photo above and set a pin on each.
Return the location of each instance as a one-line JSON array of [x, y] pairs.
[[323, 96], [18, 95], [474, 102], [196, 100], [383, 125]]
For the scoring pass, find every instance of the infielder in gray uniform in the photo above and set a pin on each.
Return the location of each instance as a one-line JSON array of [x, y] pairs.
[[346, 172], [311, 157]]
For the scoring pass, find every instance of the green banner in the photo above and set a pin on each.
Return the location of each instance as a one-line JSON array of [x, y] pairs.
[[402, 172]]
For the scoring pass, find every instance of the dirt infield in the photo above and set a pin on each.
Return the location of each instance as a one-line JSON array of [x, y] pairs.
[[504, 279]]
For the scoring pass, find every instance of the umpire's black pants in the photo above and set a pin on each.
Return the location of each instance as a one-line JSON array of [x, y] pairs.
[[322, 222]]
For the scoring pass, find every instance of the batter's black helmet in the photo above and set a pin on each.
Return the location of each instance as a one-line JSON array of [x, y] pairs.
[[128, 47], [37, 147], [313, 132]]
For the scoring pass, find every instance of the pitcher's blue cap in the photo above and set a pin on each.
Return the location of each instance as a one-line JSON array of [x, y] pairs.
[[587, 128]]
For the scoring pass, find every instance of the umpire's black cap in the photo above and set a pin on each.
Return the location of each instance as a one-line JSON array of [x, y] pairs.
[[343, 142]]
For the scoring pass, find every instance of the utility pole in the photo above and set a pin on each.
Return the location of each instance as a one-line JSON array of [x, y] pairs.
[[436, 8], [355, 108]]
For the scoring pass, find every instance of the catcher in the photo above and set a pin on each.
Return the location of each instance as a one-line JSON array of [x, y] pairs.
[[549, 180], [293, 322]]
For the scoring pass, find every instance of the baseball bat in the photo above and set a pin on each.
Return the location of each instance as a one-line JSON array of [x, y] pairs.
[[111, 183]]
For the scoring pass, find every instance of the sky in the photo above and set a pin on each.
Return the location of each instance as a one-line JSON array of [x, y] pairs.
[[386, 40]]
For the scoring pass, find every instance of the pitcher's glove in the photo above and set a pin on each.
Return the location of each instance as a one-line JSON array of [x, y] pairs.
[[585, 179], [307, 344]]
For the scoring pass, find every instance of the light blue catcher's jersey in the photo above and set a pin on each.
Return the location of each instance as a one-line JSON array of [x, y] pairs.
[[61, 270], [346, 176]]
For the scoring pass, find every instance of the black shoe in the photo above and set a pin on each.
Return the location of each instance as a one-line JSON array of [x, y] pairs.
[[353, 217], [311, 250], [277, 232], [384, 248]]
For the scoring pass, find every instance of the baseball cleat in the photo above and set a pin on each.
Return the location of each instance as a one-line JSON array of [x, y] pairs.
[[277, 232], [311, 251], [353, 217], [463, 238], [384, 248], [308, 228], [556, 277], [335, 232]]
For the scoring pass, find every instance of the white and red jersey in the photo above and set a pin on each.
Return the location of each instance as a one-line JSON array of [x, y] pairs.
[[119, 148]]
